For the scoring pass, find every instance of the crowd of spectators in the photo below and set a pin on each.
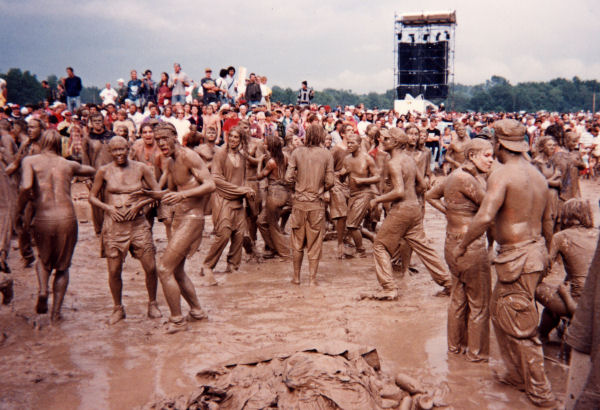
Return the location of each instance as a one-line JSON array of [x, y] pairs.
[[194, 107]]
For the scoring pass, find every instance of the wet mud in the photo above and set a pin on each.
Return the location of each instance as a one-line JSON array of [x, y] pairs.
[[85, 363]]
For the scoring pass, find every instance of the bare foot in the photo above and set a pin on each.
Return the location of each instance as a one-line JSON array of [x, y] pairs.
[[176, 327], [444, 292], [153, 310], [117, 315], [209, 276], [42, 304], [381, 295], [56, 317], [196, 315]]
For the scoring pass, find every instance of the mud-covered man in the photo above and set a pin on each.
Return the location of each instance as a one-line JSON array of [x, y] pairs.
[[310, 168], [189, 187], [362, 173], [462, 192], [404, 220], [516, 202], [125, 228]]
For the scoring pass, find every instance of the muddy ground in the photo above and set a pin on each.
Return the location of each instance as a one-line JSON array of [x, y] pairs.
[[84, 363]]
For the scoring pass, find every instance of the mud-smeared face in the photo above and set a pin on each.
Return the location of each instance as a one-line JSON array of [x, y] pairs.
[[234, 140], [572, 141], [549, 148], [166, 143], [413, 136], [34, 130], [353, 143], [483, 159], [119, 152]]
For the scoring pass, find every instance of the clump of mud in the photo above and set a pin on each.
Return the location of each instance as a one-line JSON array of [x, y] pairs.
[[331, 375]]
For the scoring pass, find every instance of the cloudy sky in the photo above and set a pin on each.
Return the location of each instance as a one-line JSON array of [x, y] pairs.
[[339, 44]]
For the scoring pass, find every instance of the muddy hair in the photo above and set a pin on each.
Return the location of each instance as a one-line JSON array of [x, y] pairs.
[[400, 136], [411, 125], [577, 210], [51, 141], [557, 132], [377, 134], [166, 127], [315, 134], [243, 137], [274, 147], [540, 144], [41, 123], [476, 145], [117, 140]]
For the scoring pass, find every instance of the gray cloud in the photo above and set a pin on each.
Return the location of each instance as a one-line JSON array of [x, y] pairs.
[[338, 44]]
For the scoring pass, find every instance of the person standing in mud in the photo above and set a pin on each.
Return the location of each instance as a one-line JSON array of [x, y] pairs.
[[31, 146], [362, 173], [310, 168], [278, 195], [455, 155], [189, 187], [229, 219], [468, 313], [516, 202], [95, 152], [46, 183], [125, 227], [254, 150], [8, 191], [338, 204], [575, 244], [546, 147], [569, 163], [404, 220]]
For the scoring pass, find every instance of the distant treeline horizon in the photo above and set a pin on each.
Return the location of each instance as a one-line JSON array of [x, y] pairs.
[[494, 95]]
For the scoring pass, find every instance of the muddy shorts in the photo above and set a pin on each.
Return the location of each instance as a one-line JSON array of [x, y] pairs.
[[338, 204], [358, 207], [55, 242], [164, 212], [133, 236]]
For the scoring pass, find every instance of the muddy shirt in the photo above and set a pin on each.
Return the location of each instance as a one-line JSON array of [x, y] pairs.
[[311, 168]]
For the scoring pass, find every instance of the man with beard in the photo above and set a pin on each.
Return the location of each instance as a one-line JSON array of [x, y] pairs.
[[46, 183], [125, 227], [516, 202], [468, 313]]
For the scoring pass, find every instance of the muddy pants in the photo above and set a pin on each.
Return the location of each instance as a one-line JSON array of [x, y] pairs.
[[268, 220], [404, 221], [308, 228], [229, 219], [468, 312], [515, 317]]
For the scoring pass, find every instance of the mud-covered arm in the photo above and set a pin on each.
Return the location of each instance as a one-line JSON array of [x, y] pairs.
[[329, 174], [448, 156], [434, 197], [27, 177], [397, 191], [225, 188], [82, 170], [290, 172], [548, 221], [492, 202], [373, 172]]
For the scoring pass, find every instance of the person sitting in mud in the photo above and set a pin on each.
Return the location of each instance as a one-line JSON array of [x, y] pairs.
[[404, 220], [362, 173], [468, 312], [46, 183], [125, 228], [189, 187], [575, 245]]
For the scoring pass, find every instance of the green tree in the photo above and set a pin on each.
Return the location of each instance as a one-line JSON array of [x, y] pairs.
[[23, 87]]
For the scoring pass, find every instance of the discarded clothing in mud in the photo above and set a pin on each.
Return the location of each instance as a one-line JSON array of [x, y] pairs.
[[311, 375]]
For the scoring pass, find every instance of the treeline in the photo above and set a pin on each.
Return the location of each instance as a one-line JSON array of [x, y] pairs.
[[496, 94]]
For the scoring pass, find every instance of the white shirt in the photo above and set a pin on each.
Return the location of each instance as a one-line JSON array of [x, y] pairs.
[[108, 96], [182, 127]]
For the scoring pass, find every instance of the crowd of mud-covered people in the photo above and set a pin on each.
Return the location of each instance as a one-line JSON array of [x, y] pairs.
[[294, 174]]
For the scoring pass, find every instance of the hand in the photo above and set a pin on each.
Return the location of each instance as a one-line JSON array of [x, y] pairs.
[[158, 195], [458, 252], [115, 214], [564, 289], [250, 193], [132, 213], [373, 203], [171, 198]]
